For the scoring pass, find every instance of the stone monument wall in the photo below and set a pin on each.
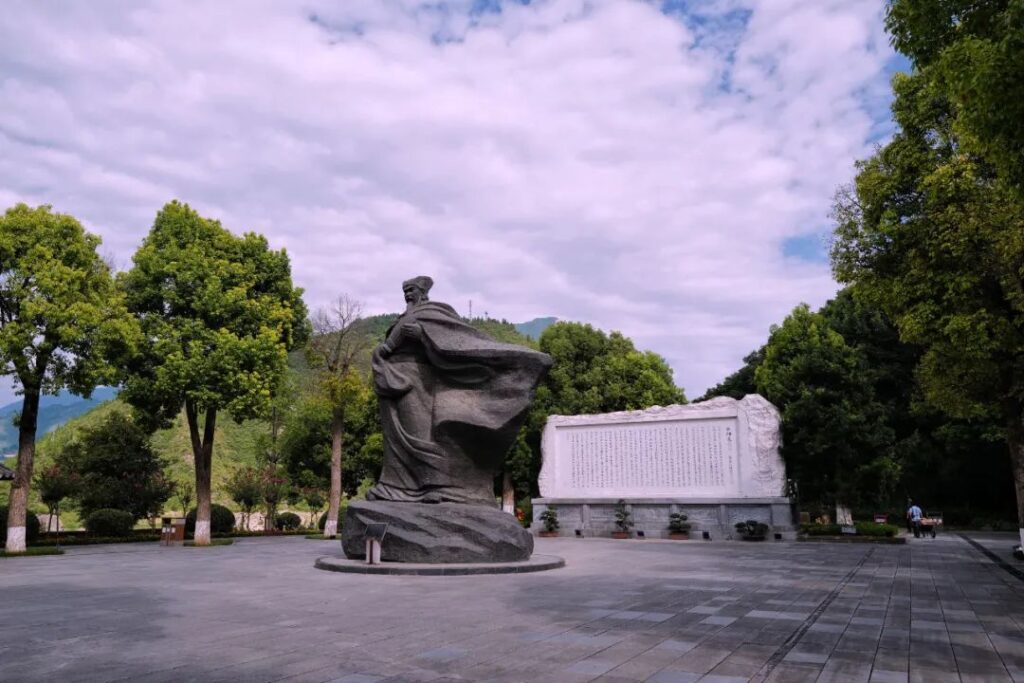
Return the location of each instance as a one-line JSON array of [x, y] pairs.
[[717, 461]]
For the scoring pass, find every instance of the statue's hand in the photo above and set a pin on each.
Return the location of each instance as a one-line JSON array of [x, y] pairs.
[[383, 350], [411, 330]]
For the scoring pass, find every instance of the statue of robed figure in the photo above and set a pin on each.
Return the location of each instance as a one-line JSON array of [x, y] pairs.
[[452, 400]]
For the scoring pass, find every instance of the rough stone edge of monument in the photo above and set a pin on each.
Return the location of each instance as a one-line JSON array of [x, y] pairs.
[[726, 404], [537, 563], [662, 500]]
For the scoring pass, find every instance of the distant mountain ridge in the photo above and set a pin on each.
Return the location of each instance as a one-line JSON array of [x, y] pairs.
[[534, 328], [53, 412]]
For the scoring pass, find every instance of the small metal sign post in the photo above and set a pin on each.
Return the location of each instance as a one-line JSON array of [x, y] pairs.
[[374, 536]]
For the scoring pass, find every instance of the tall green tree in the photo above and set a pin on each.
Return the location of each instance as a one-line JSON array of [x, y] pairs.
[[940, 461], [219, 313], [932, 232], [306, 440], [593, 372], [335, 349], [117, 467], [62, 320], [740, 383], [972, 52], [835, 441]]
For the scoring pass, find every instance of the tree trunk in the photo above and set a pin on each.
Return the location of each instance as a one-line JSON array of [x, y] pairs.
[[1015, 441], [334, 501], [508, 494], [202, 451], [23, 473]]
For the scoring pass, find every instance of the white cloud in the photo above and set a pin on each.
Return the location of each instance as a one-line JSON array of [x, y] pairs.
[[569, 158]]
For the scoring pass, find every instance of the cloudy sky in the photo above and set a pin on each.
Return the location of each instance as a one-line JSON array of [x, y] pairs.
[[663, 169]]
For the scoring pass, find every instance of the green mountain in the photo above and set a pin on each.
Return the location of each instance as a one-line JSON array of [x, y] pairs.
[[53, 412], [534, 328]]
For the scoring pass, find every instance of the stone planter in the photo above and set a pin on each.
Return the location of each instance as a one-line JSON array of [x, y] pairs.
[[621, 534], [757, 537], [548, 534], [679, 535]]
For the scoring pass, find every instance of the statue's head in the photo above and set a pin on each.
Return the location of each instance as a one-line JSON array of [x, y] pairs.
[[416, 289]]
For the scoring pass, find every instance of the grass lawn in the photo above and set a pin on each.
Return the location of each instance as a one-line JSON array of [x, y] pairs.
[[33, 551]]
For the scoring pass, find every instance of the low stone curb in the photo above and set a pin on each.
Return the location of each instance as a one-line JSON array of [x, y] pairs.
[[537, 563]]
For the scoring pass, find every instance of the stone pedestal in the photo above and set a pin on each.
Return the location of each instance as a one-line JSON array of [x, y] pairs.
[[438, 533]]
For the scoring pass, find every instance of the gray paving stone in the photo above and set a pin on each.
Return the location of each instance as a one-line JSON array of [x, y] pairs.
[[591, 666], [929, 612], [674, 676], [806, 657], [789, 672]]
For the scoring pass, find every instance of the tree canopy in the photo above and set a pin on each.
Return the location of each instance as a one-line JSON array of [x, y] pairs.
[[62, 322], [971, 51], [117, 468], [932, 231], [835, 441], [219, 312], [593, 372]]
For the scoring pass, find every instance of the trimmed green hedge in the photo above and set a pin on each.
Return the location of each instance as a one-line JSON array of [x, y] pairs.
[[62, 540], [254, 534], [31, 552], [863, 529]]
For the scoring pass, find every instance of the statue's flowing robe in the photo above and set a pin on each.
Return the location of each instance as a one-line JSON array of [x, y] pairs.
[[451, 403]]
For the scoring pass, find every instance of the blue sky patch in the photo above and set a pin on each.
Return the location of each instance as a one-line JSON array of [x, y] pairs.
[[811, 248]]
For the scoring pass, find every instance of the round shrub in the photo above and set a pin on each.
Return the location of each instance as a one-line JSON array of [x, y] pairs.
[[287, 521], [222, 520], [31, 526], [109, 522]]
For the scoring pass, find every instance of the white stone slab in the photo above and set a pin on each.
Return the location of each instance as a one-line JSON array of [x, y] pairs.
[[722, 448]]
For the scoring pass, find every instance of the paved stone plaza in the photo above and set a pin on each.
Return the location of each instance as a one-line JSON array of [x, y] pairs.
[[932, 611]]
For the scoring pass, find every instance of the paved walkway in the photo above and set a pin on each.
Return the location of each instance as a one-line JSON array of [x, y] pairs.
[[668, 612]]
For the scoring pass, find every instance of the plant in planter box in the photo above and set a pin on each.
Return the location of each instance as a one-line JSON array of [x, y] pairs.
[[550, 519], [752, 530], [623, 520], [678, 527]]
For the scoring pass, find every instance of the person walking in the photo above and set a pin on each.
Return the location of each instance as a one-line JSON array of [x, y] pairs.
[[914, 517]]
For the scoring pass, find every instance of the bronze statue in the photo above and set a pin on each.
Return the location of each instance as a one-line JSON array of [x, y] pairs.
[[451, 402]]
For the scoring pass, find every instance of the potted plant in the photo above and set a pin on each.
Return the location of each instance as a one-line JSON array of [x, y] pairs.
[[752, 530], [550, 519], [678, 527], [623, 520]]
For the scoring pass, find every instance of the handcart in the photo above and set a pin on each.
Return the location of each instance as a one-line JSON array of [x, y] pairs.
[[930, 523]]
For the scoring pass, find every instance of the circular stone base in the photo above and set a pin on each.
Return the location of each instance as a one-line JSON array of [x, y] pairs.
[[536, 563]]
